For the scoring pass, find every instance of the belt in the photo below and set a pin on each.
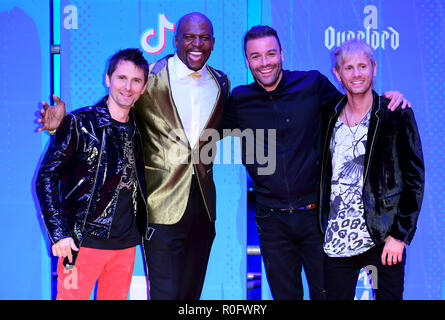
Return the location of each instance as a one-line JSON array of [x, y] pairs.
[[309, 206]]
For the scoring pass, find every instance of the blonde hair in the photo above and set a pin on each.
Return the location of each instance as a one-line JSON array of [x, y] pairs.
[[352, 46]]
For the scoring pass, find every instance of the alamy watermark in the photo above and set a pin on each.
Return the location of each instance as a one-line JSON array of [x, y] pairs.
[[259, 148]]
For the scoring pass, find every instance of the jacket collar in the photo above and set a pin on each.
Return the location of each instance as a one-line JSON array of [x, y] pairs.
[[163, 63], [376, 104], [182, 71], [103, 116], [160, 69]]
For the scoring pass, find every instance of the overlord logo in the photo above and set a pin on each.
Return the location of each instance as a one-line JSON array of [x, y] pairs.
[[163, 24], [371, 35]]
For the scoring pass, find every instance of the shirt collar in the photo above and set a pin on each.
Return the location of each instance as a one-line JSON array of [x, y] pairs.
[[182, 71]]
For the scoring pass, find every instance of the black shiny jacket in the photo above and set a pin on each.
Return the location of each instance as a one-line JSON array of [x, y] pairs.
[[394, 172], [79, 174]]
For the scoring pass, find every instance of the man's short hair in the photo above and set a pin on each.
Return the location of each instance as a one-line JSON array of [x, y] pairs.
[[352, 46], [260, 31], [131, 54]]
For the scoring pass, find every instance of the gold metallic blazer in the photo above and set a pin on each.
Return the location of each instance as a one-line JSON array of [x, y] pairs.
[[169, 159]]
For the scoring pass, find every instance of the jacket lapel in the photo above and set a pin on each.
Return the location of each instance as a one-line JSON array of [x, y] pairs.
[[374, 126], [333, 119], [160, 69], [218, 108]]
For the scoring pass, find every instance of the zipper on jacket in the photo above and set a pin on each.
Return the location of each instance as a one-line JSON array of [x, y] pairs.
[[137, 178], [75, 187], [95, 179], [143, 198]]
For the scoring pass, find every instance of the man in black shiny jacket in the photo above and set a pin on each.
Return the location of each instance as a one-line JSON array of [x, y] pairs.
[[91, 188], [372, 182]]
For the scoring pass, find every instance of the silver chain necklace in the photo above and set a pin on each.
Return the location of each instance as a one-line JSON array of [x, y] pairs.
[[356, 124]]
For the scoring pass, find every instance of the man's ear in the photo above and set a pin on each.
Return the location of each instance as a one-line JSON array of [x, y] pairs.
[[375, 69], [107, 80], [337, 75]]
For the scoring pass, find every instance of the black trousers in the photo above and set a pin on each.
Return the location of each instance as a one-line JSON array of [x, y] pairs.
[[177, 255], [290, 241], [341, 275]]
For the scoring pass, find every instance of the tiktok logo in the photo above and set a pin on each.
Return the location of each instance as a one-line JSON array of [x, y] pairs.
[[163, 24]]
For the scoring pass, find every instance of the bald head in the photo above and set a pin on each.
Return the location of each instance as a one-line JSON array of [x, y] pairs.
[[194, 18], [194, 40]]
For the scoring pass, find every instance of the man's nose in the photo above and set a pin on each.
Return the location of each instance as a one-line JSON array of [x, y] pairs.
[[197, 41], [264, 61]]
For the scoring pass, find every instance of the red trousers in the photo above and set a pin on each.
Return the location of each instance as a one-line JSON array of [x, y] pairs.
[[112, 268]]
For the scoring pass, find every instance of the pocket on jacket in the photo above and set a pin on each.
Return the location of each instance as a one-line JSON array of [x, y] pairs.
[[154, 169], [391, 201]]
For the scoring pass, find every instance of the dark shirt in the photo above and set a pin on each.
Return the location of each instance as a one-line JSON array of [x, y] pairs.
[[293, 109], [124, 232]]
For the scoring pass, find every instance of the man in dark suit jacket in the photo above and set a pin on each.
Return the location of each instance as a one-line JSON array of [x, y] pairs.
[[373, 179]]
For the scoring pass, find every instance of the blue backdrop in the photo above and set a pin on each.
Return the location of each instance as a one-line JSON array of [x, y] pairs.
[[410, 49]]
